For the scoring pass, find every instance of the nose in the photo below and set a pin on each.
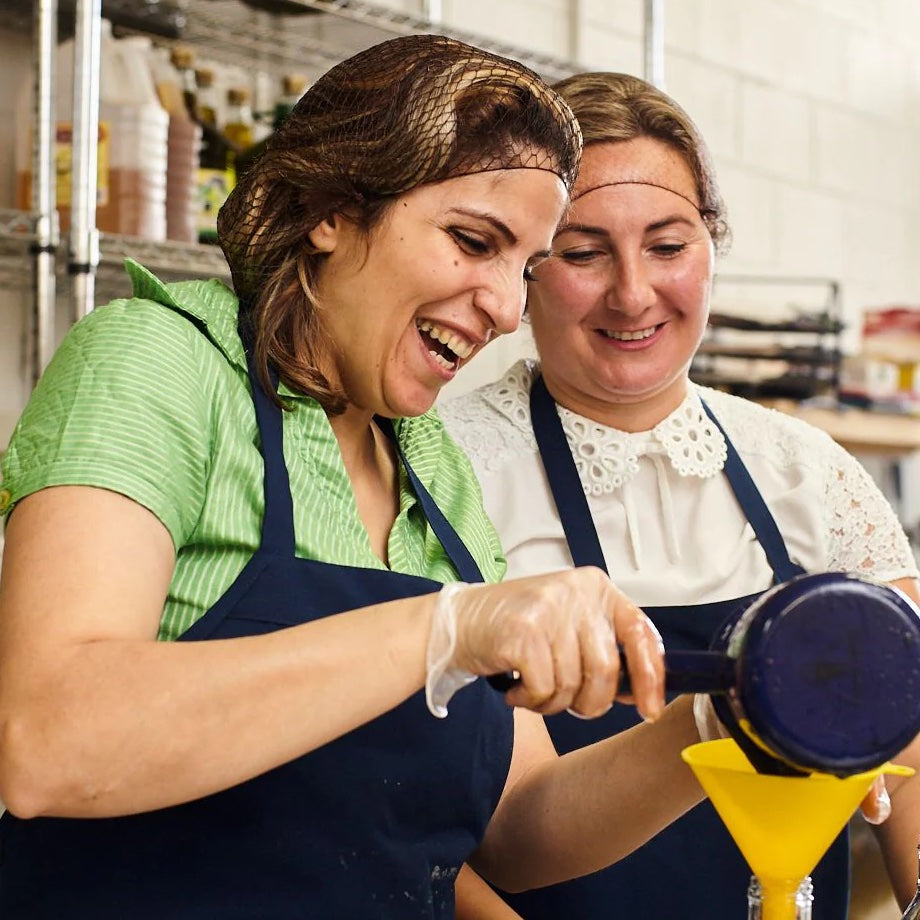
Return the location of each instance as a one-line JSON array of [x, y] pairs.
[[632, 290], [502, 298]]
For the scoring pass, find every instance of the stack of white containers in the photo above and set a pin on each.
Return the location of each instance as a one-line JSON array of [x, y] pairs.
[[133, 140], [140, 144]]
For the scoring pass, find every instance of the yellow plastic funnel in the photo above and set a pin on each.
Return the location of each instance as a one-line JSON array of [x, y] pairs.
[[782, 824]]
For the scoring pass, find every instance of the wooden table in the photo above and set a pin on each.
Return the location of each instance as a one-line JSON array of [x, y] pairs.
[[884, 441], [858, 430]]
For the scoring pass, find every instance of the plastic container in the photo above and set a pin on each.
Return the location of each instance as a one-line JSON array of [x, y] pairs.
[[132, 144], [183, 146]]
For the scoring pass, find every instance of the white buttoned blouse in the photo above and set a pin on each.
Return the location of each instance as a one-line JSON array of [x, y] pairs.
[[670, 527]]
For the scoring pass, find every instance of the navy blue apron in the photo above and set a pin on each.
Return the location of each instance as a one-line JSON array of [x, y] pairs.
[[692, 869], [375, 824]]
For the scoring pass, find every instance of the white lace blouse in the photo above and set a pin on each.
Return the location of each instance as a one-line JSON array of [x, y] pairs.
[[670, 527]]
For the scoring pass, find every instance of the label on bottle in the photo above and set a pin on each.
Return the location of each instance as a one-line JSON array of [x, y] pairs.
[[63, 163], [214, 185], [63, 168]]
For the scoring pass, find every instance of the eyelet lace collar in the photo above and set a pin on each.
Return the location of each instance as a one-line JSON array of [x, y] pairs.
[[607, 458]]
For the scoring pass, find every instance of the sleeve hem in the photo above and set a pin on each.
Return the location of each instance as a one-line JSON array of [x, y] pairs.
[[71, 473]]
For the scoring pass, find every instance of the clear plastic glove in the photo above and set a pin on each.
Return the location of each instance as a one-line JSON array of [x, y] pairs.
[[876, 806], [558, 631], [708, 724]]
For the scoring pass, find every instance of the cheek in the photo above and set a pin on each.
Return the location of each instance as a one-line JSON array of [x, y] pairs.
[[565, 291], [689, 290]]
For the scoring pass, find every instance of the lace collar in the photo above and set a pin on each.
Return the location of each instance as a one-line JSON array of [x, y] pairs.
[[607, 458]]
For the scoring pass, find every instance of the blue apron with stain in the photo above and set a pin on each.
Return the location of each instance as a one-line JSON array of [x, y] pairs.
[[374, 824], [693, 868]]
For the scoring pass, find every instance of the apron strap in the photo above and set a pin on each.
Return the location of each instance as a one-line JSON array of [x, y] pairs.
[[456, 549], [755, 508], [568, 494], [572, 503], [278, 522]]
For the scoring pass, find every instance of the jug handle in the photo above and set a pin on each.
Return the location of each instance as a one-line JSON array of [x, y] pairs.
[[685, 672]]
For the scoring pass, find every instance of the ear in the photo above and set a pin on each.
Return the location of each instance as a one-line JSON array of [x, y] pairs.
[[325, 234]]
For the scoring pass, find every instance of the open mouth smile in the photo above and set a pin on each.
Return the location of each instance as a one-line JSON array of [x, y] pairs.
[[447, 347]]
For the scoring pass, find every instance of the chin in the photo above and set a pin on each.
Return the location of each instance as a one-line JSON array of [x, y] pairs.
[[411, 406]]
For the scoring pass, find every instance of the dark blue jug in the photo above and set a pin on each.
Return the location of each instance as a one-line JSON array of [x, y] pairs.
[[820, 673]]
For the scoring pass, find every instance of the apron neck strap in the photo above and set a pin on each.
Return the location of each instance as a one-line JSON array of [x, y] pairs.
[[278, 522], [455, 548]]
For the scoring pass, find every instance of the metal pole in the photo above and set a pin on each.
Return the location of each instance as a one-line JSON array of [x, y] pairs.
[[432, 11], [576, 29], [654, 42], [42, 203], [84, 237]]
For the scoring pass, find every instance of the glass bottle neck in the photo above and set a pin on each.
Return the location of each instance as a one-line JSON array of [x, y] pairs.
[[804, 897]]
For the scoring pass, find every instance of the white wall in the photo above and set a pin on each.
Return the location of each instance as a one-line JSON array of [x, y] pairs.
[[812, 111], [811, 107]]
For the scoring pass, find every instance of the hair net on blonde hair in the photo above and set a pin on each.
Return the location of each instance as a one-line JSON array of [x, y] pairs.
[[412, 110], [621, 107]]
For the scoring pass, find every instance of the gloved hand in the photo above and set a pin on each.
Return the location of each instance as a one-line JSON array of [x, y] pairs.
[[708, 725], [876, 806], [558, 631]]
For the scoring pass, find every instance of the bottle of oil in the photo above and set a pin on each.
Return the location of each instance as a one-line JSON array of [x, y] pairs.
[[292, 88], [216, 161], [238, 124], [913, 909], [183, 59]]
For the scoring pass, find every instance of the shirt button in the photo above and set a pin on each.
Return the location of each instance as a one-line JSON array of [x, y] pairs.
[[6, 498]]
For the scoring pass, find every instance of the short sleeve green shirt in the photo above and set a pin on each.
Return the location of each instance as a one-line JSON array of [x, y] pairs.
[[150, 397]]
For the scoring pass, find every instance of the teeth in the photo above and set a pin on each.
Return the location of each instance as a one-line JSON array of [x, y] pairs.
[[458, 345], [442, 361], [630, 336]]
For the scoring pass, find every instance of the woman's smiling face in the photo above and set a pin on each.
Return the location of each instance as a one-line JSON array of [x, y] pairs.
[[441, 274], [619, 310]]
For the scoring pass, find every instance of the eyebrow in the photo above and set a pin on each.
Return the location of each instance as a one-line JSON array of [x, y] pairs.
[[591, 230], [509, 235]]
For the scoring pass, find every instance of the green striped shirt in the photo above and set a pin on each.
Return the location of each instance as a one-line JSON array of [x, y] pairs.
[[149, 397]]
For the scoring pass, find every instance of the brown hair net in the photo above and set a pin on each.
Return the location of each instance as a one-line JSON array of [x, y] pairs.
[[621, 107], [409, 111]]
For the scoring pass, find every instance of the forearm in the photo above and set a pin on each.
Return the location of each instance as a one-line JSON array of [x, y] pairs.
[[898, 836], [475, 900], [115, 726], [573, 815]]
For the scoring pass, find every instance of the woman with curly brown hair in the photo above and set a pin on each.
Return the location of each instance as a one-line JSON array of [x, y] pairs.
[[245, 568]]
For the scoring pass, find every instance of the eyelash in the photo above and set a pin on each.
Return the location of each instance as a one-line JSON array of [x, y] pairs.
[[666, 250], [467, 242], [480, 248], [579, 255], [670, 249]]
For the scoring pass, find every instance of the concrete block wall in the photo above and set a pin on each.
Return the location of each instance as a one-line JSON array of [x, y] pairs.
[[811, 108]]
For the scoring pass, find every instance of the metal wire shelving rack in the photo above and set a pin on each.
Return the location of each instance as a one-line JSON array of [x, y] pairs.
[[278, 35]]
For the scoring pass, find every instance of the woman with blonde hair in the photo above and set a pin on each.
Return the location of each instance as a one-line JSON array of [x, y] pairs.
[[604, 452]]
